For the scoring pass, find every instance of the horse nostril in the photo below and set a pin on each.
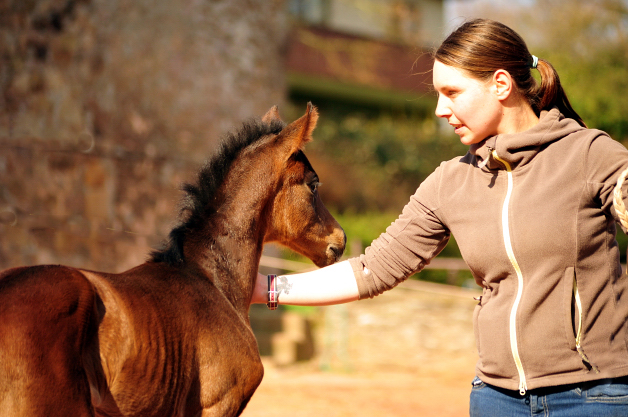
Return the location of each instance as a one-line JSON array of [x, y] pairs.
[[336, 251]]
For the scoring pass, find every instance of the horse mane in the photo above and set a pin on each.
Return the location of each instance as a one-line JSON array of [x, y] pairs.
[[195, 204]]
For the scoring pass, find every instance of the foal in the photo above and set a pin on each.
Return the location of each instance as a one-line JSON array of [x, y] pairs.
[[170, 337]]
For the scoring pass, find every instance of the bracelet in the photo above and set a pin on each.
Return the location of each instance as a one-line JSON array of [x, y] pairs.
[[272, 302]]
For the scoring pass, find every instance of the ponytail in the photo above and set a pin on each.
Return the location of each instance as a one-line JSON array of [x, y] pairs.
[[550, 93], [480, 47]]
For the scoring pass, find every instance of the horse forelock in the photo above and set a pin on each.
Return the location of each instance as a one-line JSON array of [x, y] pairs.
[[199, 196]]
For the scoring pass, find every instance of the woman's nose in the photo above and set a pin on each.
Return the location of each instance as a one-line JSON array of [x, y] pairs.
[[442, 107]]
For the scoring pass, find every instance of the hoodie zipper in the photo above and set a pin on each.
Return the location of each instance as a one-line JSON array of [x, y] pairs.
[[523, 387]]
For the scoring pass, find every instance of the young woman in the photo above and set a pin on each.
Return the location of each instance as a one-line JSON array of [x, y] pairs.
[[531, 208]]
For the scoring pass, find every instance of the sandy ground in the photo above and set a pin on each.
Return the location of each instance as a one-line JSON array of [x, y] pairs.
[[305, 391]]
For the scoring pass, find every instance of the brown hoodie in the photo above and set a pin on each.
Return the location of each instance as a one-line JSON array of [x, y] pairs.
[[532, 214]]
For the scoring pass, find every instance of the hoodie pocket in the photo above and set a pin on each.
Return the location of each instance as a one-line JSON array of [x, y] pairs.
[[484, 298], [575, 317], [571, 315]]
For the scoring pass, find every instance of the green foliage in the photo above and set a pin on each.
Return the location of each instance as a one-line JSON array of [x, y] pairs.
[[595, 77], [362, 229], [374, 161]]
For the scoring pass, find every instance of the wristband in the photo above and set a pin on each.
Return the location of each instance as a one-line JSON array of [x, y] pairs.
[[272, 302]]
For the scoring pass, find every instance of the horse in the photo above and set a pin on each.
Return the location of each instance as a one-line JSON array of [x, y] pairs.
[[170, 337]]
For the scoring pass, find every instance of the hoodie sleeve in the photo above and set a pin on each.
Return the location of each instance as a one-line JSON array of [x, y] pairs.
[[407, 245], [606, 160]]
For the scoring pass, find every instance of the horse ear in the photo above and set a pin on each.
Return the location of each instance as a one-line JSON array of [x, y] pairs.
[[272, 114], [299, 132]]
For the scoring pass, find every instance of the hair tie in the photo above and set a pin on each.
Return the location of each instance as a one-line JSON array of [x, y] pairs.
[[535, 62]]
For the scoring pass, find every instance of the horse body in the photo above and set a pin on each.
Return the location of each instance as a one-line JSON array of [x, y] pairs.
[[170, 337], [186, 357]]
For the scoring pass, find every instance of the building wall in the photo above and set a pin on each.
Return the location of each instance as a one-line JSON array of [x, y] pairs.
[[415, 22], [432, 17], [107, 106]]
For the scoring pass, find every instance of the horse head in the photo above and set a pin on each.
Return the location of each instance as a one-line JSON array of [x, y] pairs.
[[298, 219], [259, 187]]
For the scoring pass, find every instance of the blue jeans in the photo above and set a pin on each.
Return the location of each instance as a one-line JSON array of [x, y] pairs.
[[604, 398]]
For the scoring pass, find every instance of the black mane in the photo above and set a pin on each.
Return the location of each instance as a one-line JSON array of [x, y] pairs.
[[198, 196]]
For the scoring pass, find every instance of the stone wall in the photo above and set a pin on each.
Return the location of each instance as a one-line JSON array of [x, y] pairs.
[[106, 106], [416, 326]]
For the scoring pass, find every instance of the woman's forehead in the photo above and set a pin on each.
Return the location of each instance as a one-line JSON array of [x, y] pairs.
[[445, 76]]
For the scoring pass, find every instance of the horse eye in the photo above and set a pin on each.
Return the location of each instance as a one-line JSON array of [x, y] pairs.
[[314, 186]]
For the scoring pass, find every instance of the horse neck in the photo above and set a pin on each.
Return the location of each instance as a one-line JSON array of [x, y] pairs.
[[229, 246]]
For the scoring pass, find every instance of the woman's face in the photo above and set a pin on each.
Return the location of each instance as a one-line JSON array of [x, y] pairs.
[[471, 106]]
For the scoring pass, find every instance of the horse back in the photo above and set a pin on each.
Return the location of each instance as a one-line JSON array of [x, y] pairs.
[[48, 314]]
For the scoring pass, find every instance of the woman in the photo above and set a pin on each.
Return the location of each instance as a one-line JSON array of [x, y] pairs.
[[531, 207]]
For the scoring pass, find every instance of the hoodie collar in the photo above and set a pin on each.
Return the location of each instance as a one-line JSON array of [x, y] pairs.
[[519, 149]]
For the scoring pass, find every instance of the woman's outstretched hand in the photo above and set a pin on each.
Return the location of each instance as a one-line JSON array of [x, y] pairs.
[[334, 284]]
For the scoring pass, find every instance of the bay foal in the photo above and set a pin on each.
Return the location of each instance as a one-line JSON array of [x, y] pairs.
[[170, 337]]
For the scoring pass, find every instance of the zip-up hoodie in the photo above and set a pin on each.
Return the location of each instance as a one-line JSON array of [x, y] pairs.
[[533, 216]]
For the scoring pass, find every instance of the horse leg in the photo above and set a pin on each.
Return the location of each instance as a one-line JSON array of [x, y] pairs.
[[46, 315], [234, 400], [224, 408]]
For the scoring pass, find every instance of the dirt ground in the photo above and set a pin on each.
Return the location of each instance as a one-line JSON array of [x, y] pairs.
[[305, 391]]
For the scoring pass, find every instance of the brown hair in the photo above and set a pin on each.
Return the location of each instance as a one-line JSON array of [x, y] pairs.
[[481, 46]]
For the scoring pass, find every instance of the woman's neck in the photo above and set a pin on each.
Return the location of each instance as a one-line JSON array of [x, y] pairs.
[[517, 116]]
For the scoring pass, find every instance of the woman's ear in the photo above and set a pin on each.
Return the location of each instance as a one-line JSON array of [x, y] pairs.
[[502, 84]]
